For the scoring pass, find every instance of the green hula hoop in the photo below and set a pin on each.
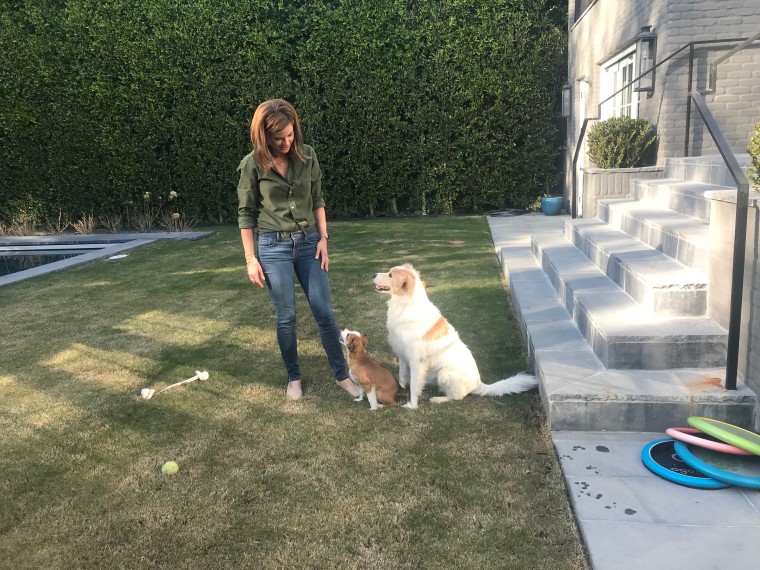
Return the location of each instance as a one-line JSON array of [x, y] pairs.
[[736, 436]]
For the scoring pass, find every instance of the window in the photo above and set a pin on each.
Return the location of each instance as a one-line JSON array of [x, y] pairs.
[[581, 6], [616, 73]]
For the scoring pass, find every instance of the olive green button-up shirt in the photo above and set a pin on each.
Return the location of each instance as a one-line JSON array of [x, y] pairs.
[[271, 203]]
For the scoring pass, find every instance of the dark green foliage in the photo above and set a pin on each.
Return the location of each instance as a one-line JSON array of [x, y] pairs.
[[622, 142], [438, 106], [753, 148]]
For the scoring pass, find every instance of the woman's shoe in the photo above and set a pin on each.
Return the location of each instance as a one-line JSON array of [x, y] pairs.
[[348, 385]]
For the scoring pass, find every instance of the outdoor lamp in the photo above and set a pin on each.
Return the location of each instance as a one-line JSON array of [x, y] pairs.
[[567, 100], [645, 53]]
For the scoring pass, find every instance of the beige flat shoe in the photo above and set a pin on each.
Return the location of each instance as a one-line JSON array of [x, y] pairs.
[[293, 391], [349, 386]]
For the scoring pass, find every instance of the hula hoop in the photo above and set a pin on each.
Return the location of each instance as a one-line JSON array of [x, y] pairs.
[[660, 458], [739, 470], [701, 439], [734, 435]]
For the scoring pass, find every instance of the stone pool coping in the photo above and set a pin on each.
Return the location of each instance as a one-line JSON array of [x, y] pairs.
[[117, 243]]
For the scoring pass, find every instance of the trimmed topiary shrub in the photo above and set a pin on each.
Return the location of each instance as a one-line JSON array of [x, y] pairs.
[[754, 150], [621, 142]]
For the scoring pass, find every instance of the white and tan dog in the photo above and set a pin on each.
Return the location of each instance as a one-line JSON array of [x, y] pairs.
[[428, 347]]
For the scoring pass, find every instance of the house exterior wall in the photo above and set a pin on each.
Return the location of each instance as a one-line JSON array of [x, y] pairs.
[[609, 26]]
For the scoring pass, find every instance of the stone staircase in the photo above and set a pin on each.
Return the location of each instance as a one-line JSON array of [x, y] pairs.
[[614, 310]]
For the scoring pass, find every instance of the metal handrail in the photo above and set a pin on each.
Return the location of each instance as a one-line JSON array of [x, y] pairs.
[[690, 46], [574, 189], [742, 195], [740, 238], [712, 80], [579, 144]]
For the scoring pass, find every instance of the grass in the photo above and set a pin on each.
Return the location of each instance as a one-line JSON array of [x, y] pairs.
[[265, 483]]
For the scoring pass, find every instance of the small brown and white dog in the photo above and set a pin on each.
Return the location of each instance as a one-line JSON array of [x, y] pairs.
[[428, 347], [376, 381]]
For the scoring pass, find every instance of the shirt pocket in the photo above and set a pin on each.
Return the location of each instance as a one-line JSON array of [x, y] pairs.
[[301, 188]]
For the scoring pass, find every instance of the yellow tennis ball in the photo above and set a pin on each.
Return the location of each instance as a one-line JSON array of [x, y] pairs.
[[169, 468]]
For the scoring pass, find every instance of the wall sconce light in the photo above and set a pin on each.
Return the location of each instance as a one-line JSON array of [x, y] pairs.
[[646, 43], [567, 100]]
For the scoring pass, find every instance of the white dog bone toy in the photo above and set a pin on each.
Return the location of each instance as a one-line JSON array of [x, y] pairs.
[[148, 393]]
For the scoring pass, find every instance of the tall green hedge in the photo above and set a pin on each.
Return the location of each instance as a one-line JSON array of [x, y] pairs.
[[413, 106]]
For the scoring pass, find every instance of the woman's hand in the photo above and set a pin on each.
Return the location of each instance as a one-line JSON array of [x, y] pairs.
[[255, 272], [322, 254]]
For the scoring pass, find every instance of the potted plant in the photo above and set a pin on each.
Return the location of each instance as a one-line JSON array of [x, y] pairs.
[[550, 205]]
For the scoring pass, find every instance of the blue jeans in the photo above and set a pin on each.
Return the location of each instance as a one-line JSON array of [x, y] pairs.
[[282, 255]]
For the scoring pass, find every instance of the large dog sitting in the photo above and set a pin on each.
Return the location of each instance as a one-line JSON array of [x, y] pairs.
[[429, 348]]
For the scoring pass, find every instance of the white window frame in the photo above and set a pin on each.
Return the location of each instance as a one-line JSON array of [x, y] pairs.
[[616, 72]]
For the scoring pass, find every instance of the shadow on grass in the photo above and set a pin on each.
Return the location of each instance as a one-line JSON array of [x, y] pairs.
[[263, 482]]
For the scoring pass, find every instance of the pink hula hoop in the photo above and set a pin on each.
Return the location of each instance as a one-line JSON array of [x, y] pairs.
[[685, 434]]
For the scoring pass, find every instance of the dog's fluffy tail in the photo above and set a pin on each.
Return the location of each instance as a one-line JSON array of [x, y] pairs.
[[514, 385]]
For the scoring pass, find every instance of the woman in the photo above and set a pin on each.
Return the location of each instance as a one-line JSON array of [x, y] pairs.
[[280, 194]]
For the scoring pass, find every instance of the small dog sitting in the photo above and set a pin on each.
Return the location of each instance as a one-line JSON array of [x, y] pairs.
[[377, 382]]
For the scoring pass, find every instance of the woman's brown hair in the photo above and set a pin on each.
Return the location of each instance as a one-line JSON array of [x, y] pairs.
[[271, 117]]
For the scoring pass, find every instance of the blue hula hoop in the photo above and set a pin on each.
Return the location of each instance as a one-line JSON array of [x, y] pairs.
[[661, 458], [707, 460]]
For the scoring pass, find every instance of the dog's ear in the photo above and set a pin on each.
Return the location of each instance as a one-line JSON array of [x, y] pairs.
[[365, 341], [403, 281]]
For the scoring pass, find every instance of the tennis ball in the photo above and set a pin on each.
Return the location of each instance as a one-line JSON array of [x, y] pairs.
[[169, 468]]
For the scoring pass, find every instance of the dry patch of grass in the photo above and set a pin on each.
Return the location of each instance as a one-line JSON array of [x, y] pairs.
[[264, 483]]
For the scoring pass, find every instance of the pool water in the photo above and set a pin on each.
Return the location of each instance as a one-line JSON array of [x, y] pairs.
[[15, 263]]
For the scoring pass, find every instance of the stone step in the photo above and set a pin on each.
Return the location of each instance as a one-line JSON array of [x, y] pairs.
[[620, 332], [656, 281], [679, 236], [579, 393], [678, 195], [710, 169]]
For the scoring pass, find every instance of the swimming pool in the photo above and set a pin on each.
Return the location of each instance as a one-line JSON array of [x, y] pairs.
[[14, 263], [23, 257]]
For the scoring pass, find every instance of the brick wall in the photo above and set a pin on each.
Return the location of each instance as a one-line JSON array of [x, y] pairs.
[[608, 26]]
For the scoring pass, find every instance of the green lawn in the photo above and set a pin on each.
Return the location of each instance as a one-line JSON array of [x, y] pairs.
[[265, 483]]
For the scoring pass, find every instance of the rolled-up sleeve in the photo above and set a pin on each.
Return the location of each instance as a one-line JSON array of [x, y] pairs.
[[248, 193], [317, 199]]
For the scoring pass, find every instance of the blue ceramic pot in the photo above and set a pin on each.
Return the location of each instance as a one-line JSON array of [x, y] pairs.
[[552, 205]]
